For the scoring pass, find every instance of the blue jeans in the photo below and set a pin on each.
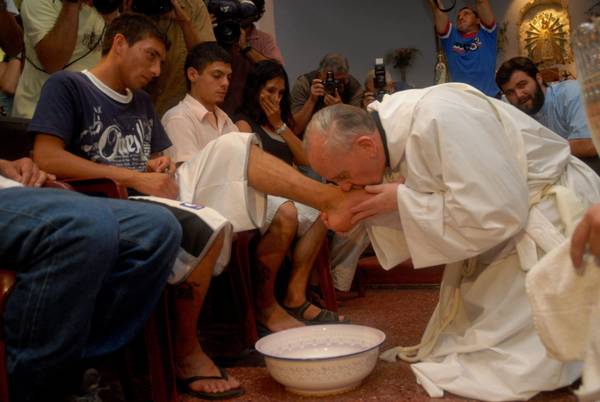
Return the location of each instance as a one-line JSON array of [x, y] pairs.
[[89, 273]]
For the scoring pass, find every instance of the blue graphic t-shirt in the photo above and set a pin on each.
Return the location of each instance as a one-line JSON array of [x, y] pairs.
[[472, 57], [98, 123]]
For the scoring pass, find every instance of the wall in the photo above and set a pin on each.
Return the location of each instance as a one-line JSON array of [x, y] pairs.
[[363, 30]]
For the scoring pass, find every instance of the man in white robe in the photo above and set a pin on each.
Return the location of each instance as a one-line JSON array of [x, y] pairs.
[[461, 179]]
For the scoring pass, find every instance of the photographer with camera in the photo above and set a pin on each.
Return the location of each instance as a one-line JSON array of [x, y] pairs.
[[186, 24], [59, 35], [329, 85]]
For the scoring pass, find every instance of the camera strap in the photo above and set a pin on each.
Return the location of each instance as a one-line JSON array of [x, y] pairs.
[[90, 50]]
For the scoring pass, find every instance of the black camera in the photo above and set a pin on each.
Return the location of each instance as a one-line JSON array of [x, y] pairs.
[[107, 6], [151, 7], [379, 81], [330, 83], [230, 16]]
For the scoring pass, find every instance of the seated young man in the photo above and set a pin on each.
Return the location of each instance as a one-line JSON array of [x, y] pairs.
[[78, 260], [98, 123]]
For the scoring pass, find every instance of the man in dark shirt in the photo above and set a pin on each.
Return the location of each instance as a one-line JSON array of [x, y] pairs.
[[99, 123]]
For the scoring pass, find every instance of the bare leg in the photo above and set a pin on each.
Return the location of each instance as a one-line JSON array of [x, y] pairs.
[[305, 253], [270, 175], [270, 253], [190, 359]]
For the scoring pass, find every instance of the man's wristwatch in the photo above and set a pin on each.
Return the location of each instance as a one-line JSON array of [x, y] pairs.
[[281, 129], [245, 49]]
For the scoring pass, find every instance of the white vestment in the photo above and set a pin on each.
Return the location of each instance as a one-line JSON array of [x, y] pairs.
[[478, 174]]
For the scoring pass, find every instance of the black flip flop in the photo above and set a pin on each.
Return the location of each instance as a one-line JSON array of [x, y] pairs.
[[324, 317], [183, 385]]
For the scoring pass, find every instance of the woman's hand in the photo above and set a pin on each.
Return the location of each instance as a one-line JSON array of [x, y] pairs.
[[272, 111]]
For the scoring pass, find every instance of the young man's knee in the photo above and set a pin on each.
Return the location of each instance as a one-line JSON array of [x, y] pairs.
[[286, 218]]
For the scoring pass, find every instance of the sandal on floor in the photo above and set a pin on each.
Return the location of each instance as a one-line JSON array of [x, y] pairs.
[[183, 385], [324, 317], [262, 330]]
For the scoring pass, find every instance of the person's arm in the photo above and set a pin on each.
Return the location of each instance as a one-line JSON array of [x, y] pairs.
[[55, 49], [270, 175], [50, 154], [11, 34], [440, 18], [190, 34], [9, 78], [308, 99], [583, 148], [486, 15], [574, 114], [25, 172]]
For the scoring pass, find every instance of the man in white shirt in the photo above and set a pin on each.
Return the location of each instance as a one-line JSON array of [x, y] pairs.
[[461, 179], [197, 119], [59, 35]]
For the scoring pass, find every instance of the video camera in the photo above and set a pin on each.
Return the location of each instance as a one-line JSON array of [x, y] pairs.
[[379, 81], [230, 16], [330, 83]]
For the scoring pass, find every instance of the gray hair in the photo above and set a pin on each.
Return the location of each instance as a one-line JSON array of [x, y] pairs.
[[339, 125], [335, 62]]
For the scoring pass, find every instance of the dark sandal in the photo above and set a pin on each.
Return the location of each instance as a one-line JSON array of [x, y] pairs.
[[262, 330], [324, 317], [183, 385]]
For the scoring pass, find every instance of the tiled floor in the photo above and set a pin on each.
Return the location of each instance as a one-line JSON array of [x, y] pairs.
[[402, 314]]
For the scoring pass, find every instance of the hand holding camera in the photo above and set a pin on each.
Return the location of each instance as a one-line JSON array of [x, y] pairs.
[[317, 89], [332, 99]]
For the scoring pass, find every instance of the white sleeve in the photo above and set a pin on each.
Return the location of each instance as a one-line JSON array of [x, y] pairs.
[[465, 192]]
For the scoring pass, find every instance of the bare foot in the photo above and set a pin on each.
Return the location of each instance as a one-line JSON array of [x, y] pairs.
[[277, 319], [199, 364]]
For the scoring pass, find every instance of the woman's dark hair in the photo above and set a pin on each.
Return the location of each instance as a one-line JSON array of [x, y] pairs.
[[263, 72]]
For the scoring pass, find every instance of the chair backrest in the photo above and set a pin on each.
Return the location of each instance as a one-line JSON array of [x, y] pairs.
[[15, 141]]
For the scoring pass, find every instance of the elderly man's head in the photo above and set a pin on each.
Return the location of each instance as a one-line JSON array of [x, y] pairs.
[[344, 146]]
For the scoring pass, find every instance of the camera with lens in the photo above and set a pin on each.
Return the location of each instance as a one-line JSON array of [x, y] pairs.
[[230, 16], [379, 81], [330, 83], [151, 7]]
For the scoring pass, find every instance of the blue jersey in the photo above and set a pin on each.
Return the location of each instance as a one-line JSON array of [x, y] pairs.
[[472, 57], [98, 123]]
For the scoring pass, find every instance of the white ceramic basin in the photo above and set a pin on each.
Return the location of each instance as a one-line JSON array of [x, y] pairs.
[[321, 359]]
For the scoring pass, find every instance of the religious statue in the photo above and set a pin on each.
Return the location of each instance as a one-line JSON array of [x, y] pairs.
[[544, 34], [441, 70]]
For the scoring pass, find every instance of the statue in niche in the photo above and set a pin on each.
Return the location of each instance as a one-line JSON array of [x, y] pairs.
[[545, 39], [544, 33]]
